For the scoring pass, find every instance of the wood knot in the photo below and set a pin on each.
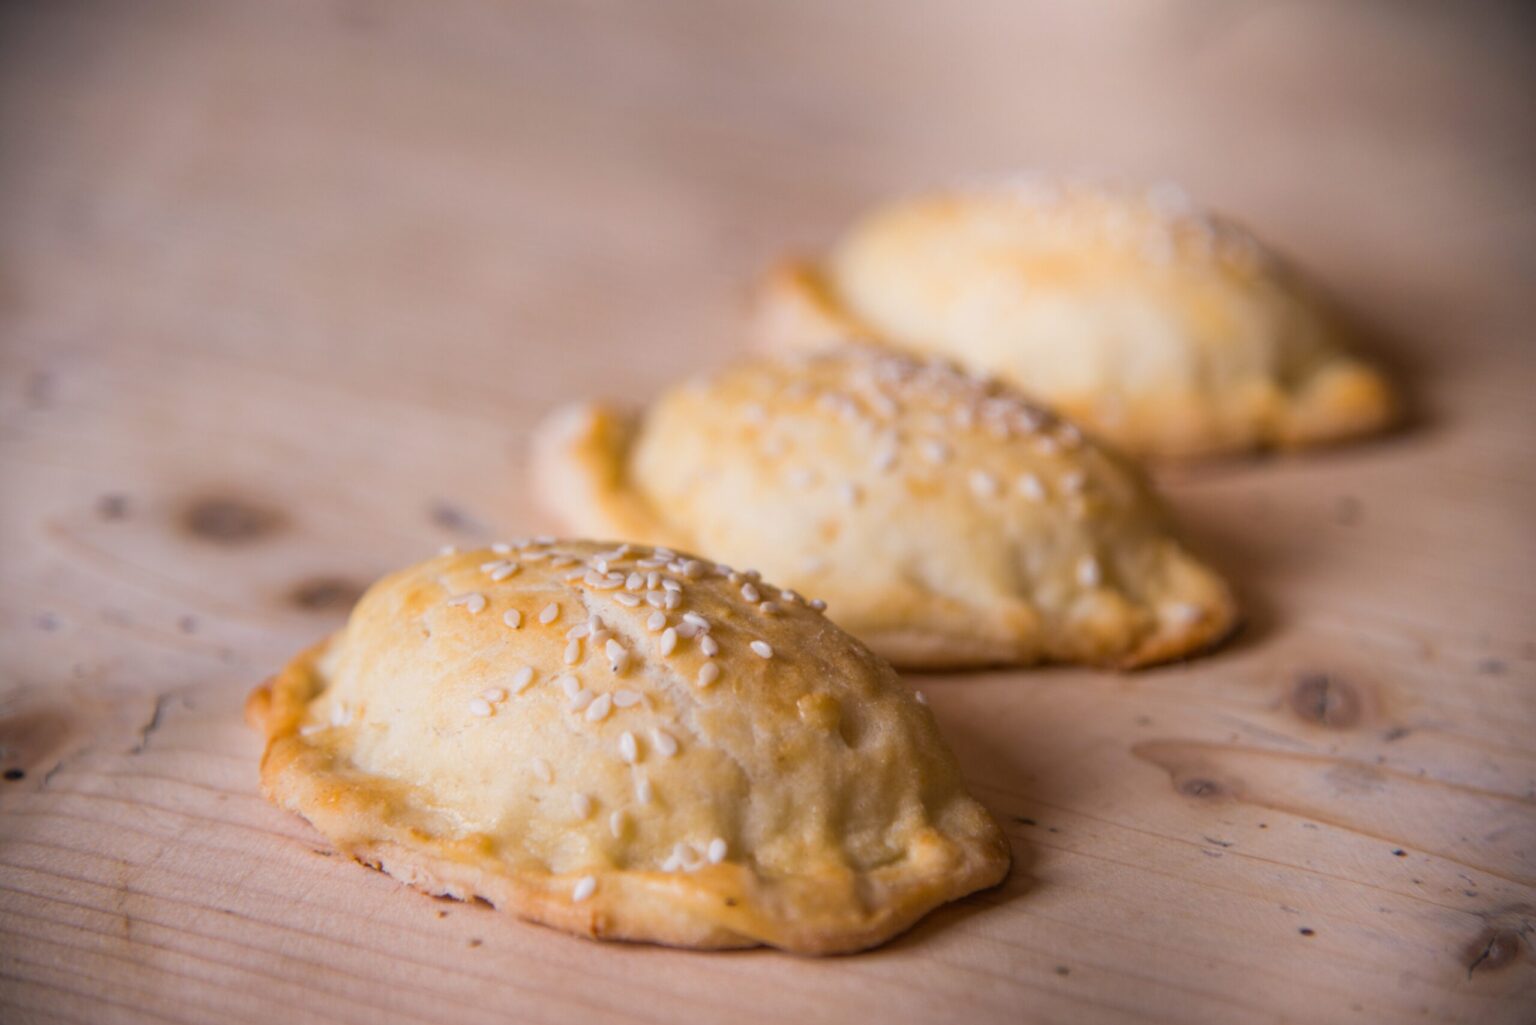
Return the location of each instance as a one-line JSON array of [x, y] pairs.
[[1326, 700], [230, 521], [325, 594], [1200, 786], [1494, 949]]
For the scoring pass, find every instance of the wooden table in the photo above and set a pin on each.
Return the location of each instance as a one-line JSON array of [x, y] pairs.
[[284, 285]]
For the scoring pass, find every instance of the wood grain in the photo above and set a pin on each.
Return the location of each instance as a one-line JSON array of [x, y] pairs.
[[283, 287]]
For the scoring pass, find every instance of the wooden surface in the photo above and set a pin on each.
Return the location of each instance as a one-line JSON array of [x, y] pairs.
[[284, 285]]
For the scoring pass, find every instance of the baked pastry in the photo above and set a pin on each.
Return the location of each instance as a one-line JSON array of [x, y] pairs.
[[1169, 331], [626, 743], [948, 521]]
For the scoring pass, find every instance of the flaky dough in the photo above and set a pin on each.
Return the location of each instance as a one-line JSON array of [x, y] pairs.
[[1166, 330], [947, 521], [535, 724]]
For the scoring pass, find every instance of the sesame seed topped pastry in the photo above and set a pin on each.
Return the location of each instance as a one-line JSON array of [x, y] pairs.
[[947, 521], [627, 743], [1169, 331]]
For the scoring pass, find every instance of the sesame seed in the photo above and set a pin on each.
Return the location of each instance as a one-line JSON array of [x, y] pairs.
[[1088, 572], [801, 477], [616, 823], [486, 567], [480, 707], [585, 887], [494, 694], [793, 597], [1030, 487], [504, 571], [448, 550], [614, 650], [629, 748], [656, 621], [696, 620], [521, 679], [717, 851], [849, 492], [817, 604], [934, 450], [512, 618], [749, 593], [768, 608], [761, 649], [668, 641], [643, 791], [310, 729], [983, 484], [693, 569], [580, 700], [656, 599], [501, 548], [570, 685], [671, 600], [625, 698], [709, 672], [687, 631], [634, 582], [629, 601], [544, 539], [573, 652], [598, 710], [473, 602], [542, 769], [577, 632], [1073, 482], [550, 614], [341, 715], [922, 699], [709, 646], [665, 742], [581, 804], [668, 584]]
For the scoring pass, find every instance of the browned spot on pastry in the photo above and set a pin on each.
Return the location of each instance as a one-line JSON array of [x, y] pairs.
[[325, 594], [1492, 950], [819, 711], [227, 520], [1325, 700]]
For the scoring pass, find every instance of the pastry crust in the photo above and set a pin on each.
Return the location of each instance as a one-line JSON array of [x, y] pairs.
[[948, 522], [802, 799], [1169, 331]]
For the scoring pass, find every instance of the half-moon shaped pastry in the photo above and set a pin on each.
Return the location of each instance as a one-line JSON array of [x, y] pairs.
[[1169, 331], [947, 521], [626, 743]]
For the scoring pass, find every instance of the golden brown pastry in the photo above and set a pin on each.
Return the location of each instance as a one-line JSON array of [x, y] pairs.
[[626, 743], [1168, 331], [947, 521]]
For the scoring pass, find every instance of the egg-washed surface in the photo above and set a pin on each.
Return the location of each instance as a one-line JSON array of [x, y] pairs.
[[630, 743], [1166, 329], [947, 521]]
